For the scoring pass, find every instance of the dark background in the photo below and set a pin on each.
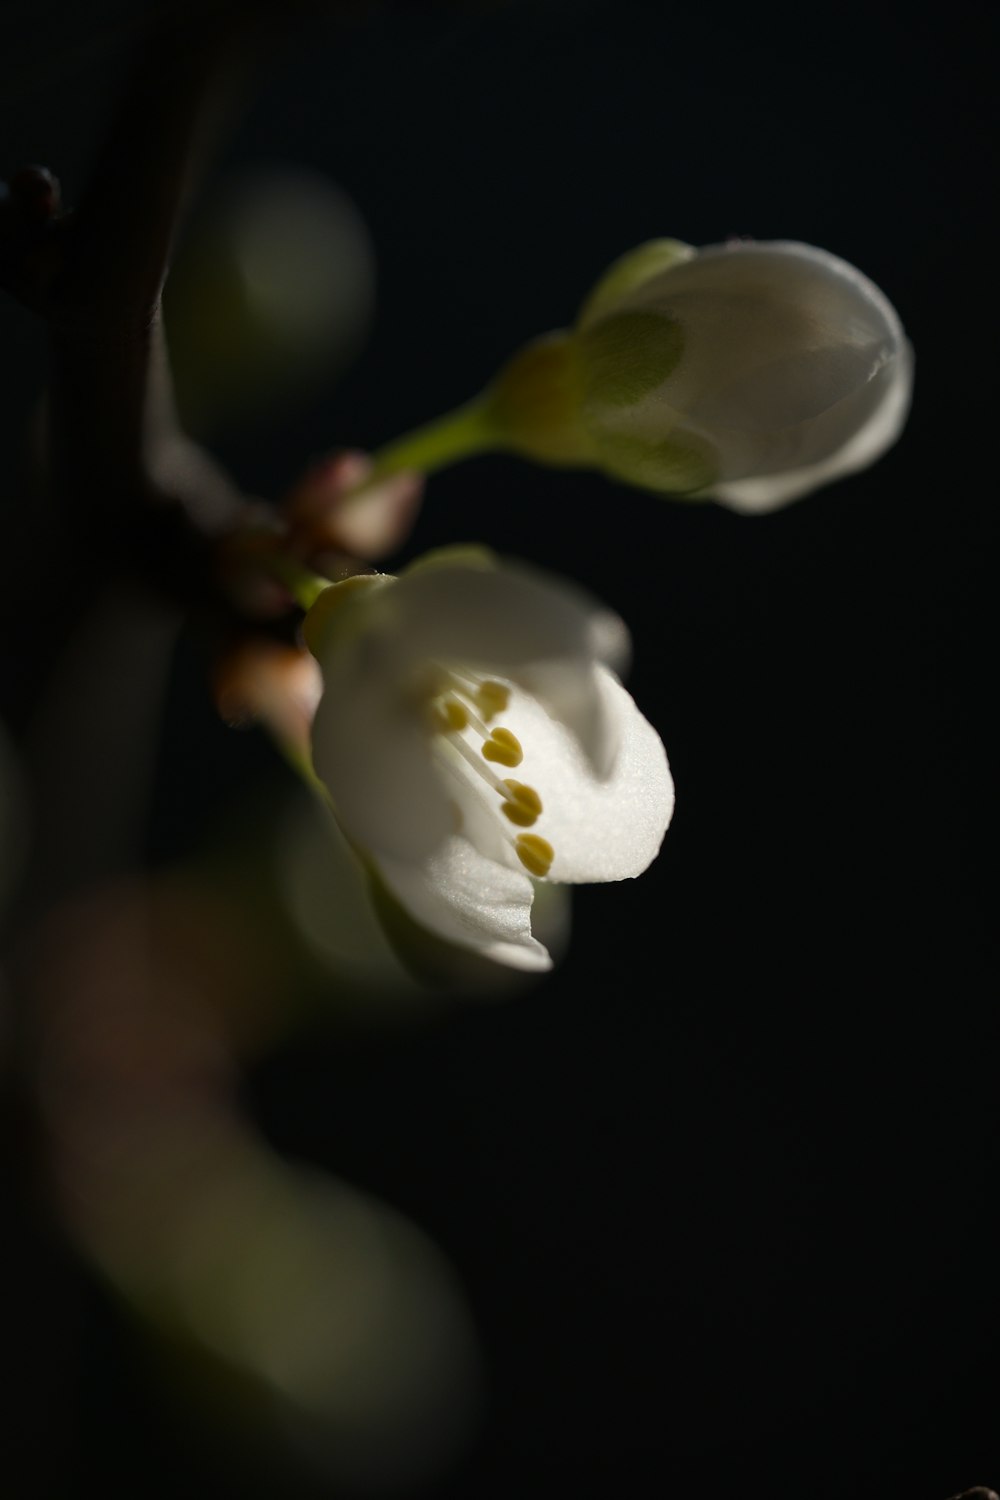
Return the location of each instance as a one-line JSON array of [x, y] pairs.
[[722, 1190]]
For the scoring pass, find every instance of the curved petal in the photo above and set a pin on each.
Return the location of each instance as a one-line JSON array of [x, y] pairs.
[[888, 399], [373, 754], [502, 619], [599, 829], [470, 900], [568, 692], [794, 290], [793, 370]]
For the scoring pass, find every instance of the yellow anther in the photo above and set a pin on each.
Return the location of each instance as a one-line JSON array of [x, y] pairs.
[[523, 804], [456, 713], [491, 698], [450, 716], [536, 854], [504, 747]]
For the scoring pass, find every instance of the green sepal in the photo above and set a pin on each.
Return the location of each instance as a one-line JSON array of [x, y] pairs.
[[625, 357], [628, 273], [533, 406]]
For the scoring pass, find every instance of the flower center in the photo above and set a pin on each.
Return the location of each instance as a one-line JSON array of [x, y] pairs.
[[460, 711]]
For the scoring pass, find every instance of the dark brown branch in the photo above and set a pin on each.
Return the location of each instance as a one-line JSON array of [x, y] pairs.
[[125, 479], [123, 230]]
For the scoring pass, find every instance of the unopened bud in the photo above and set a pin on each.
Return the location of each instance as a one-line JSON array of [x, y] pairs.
[[332, 508], [261, 680], [750, 373]]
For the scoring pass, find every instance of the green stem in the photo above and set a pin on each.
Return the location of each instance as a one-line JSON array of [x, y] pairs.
[[305, 587], [457, 435]]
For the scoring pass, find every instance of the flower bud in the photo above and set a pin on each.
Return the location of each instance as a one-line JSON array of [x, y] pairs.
[[749, 373], [326, 511], [266, 680]]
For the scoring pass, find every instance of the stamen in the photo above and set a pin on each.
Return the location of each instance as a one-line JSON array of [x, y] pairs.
[[523, 805], [536, 854], [449, 716], [451, 713], [471, 758], [504, 747], [457, 713], [465, 678], [491, 698], [474, 721]]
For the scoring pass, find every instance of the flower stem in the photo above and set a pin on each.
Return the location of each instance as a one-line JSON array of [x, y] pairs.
[[304, 586], [457, 435]]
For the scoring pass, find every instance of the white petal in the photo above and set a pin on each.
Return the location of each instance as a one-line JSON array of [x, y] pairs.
[[569, 693], [470, 900], [373, 754], [524, 628], [888, 400], [795, 370], [607, 829], [329, 897], [502, 616]]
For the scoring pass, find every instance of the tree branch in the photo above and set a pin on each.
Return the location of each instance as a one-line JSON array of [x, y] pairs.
[[126, 481], [123, 230]]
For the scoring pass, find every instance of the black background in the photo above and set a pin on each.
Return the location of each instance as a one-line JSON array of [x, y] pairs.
[[722, 1190]]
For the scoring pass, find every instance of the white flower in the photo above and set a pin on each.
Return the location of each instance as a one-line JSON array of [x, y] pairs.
[[749, 372], [474, 739]]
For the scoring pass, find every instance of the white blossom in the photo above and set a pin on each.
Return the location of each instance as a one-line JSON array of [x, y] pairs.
[[475, 739]]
